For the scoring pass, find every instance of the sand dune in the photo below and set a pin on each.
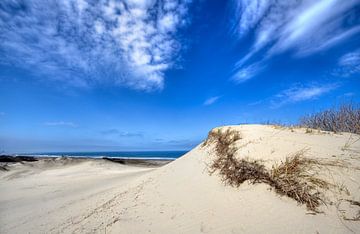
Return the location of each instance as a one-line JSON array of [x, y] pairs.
[[47, 195], [181, 197]]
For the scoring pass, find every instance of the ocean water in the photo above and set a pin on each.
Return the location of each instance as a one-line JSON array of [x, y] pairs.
[[119, 154]]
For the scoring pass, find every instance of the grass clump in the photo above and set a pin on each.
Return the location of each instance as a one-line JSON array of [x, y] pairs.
[[291, 178], [343, 118], [295, 178], [223, 140]]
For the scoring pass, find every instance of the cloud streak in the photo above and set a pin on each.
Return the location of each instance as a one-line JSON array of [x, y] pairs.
[[246, 73], [299, 93], [302, 27], [121, 134], [349, 64], [130, 43], [61, 124], [211, 100]]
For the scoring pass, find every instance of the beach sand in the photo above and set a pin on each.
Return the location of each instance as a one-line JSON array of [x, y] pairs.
[[43, 196], [98, 196]]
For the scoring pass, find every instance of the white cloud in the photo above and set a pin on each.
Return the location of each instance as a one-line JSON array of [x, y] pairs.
[[131, 42], [256, 103], [249, 13], [99, 27], [168, 23], [349, 64], [246, 73], [211, 100], [314, 24], [303, 27], [349, 94], [299, 93], [61, 123], [118, 133]]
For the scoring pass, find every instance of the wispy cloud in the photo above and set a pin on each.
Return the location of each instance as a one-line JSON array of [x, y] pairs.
[[178, 144], [349, 94], [130, 42], [118, 133], [211, 100], [245, 73], [255, 103], [2, 113], [61, 123], [304, 27], [349, 64], [299, 93], [249, 13]]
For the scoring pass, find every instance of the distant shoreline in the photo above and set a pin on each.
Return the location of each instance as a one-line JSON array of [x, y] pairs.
[[92, 157], [147, 162], [137, 155]]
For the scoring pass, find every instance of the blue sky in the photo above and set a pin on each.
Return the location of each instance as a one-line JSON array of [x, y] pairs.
[[158, 75]]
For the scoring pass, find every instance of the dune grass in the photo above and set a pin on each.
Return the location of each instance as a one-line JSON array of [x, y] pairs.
[[291, 178], [342, 118]]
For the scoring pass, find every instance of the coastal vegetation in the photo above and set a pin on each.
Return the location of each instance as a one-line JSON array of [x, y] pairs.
[[297, 177], [341, 118]]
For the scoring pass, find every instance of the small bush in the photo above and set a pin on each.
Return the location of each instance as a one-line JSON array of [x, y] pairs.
[[344, 118]]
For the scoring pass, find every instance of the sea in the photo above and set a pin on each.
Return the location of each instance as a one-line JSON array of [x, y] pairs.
[[155, 155]]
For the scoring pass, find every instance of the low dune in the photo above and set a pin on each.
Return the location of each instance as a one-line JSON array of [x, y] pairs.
[[189, 195]]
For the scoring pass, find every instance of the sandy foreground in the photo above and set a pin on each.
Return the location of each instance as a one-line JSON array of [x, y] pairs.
[[97, 196]]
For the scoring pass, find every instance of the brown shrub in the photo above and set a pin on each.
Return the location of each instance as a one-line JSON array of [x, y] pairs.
[[294, 178], [343, 118], [291, 178]]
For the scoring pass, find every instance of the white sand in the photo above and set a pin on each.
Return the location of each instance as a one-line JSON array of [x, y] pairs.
[[46, 197], [182, 197]]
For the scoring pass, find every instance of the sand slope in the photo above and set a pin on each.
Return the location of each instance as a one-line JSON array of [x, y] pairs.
[[49, 195], [182, 197]]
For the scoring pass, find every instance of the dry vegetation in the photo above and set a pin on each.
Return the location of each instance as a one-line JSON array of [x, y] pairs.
[[344, 118], [295, 178], [291, 178], [357, 217]]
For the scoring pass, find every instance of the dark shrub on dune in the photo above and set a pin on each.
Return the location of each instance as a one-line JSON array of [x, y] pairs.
[[343, 118], [293, 177]]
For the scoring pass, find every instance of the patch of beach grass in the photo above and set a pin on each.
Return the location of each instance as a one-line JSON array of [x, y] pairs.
[[294, 177]]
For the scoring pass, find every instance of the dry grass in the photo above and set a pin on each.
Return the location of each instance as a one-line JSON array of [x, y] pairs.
[[292, 178], [296, 179], [343, 118], [223, 140]]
